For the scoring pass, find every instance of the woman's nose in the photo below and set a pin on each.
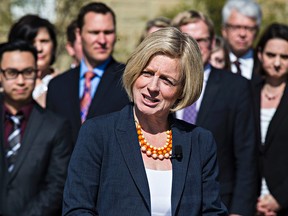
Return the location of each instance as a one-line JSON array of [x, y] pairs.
[[154, 84], [38, 46]]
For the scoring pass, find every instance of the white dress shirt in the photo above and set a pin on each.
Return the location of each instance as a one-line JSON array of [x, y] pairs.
[[246, 64]]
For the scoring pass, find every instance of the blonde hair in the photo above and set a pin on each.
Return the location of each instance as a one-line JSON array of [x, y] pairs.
[[174, 44], [191, 16]]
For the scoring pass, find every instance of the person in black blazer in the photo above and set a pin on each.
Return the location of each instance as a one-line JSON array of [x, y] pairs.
[[271, 102], [33, 175], [225, 108], [97, 30], [123, 162]]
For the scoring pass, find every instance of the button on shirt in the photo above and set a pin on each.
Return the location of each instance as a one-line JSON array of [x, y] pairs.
[[99, 71], [246, 64], [207, 70]]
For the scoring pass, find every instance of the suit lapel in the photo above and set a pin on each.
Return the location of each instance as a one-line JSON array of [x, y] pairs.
[[106, 82], [257, 83], [74, 97], [3, 166], [31, 132], [277, 119], [211, 90], [128, 140], [180, 167]]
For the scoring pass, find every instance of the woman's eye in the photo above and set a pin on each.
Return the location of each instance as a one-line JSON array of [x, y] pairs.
[[167, 81], [146, 73]]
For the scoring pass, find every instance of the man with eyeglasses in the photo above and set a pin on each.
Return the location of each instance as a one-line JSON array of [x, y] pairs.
[[35, 143], [224, 108], [241, 20]]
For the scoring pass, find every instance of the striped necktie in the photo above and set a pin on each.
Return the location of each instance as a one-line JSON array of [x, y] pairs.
[[190, 114], [86, 99], [237, 65], [14, 139]]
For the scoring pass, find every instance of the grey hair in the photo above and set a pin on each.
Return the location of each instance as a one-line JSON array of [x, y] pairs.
[[247, 8]]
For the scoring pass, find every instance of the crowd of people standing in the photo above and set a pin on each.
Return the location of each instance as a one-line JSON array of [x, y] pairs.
[[193, 124]]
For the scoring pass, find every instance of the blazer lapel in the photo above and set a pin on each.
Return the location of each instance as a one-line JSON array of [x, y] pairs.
[[257, 83], [106, 82], [34, 123], [278, 117], [211, 90], [74, 97], [180, 167], [127, 136]]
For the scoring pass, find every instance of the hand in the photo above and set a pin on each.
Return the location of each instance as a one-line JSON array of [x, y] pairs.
[[234, 215], [267, 205]]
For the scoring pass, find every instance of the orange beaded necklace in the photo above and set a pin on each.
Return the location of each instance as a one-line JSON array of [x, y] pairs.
[[160, 153]]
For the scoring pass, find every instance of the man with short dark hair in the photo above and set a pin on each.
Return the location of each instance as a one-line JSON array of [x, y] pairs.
[[35, 143], [95, 87]]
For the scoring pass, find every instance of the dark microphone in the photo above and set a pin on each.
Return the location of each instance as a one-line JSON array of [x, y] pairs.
[[177, 152]]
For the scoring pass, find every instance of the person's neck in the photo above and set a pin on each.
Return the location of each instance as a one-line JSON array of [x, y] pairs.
[[91, 64], [275, 83], [240, 54], [152, 124], [45, 72], [15, 106]]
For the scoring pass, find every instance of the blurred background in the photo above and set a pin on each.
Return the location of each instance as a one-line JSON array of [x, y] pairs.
[[132, 16]]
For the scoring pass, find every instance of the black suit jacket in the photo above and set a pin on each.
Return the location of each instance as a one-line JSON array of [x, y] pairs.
[[273, 158], [226, 110], [63, 95], [35, 186]]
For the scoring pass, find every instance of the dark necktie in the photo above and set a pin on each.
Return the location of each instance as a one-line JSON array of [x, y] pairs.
[[237, 64], [86, 99], [190, 114], [14, 139]]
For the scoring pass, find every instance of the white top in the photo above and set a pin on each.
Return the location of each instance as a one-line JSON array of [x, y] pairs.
[[42, 87], [207, 70], [160, 185], [246, 64], [265, 116]]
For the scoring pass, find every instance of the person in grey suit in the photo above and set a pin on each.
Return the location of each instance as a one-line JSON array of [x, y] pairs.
[[97, 30], [141, 160], [225, 108], [35, 143]]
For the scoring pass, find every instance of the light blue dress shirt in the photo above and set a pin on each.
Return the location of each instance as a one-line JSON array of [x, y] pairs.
[[99, 71]]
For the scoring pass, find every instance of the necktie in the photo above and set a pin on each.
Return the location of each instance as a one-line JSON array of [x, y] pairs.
[[14, 141], [237, 64], [190, 114], [86, 99]]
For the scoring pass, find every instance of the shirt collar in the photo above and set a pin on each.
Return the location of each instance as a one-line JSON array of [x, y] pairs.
[[99, 70], [25, 110], [247, 55], [207, 70]]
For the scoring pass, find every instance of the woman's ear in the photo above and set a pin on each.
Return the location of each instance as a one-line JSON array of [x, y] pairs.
[[260, 55]]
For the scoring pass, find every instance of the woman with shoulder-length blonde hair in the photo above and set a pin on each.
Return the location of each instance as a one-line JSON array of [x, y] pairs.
[[141, 160]]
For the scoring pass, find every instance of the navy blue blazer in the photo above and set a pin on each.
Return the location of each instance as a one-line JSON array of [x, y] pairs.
[[106, 174]]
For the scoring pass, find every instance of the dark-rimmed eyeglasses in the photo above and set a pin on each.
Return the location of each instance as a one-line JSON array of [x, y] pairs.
[[251, 29], [12, 73]]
